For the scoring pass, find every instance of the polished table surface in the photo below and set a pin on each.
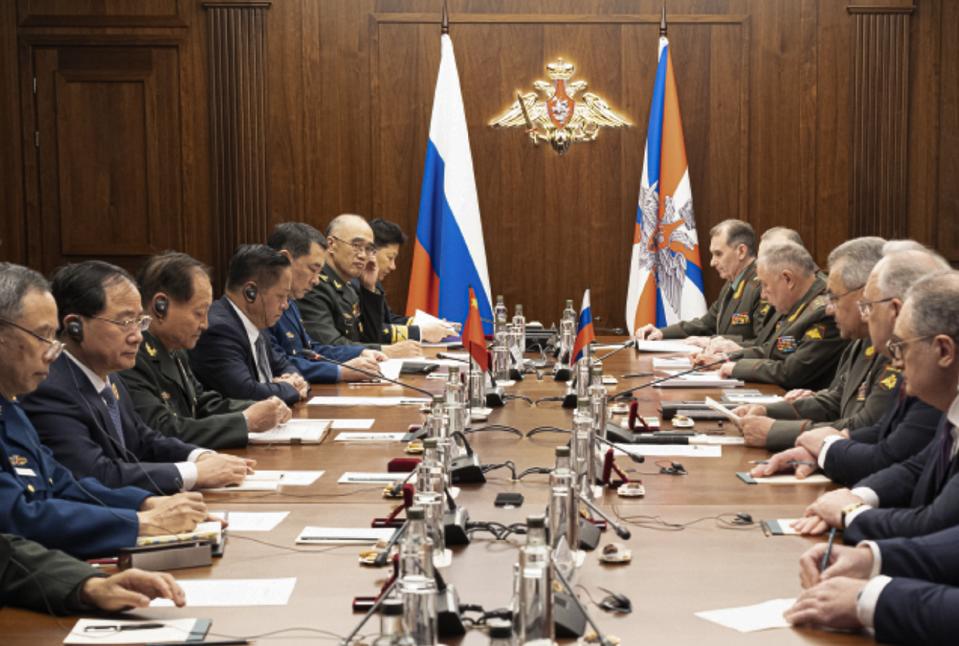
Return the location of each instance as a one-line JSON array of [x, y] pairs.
[[672, 574]]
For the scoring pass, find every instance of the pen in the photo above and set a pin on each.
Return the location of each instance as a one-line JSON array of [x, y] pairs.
[[116, 627], [828, 553]]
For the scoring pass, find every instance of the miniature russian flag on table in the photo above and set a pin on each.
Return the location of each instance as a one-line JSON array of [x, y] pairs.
[[665, 273], [473, 339], [584, 330], [449, 253]]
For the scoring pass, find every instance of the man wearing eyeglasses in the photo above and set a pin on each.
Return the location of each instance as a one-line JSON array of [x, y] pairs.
[[39, 498], [83, 411], [920, 495], [908, 424], [862, 387], [335, 312]]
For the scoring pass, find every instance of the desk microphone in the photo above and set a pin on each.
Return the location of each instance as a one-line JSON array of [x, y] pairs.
[[621, 531], [629, 344], [369, 613], [571, 594], [730, 357]]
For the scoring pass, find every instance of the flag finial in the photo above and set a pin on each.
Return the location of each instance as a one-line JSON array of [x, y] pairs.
[[662, 21], [445, 24]]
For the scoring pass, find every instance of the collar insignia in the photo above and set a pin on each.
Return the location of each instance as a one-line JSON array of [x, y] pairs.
[[17, 460], [150, 349]]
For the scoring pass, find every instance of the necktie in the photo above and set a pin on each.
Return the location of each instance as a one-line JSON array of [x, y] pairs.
[[263, 360], [187, 382], [113, 408], [945, 456]]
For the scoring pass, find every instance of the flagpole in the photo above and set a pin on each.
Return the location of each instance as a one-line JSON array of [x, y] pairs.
[[662, 20], [445, 22]]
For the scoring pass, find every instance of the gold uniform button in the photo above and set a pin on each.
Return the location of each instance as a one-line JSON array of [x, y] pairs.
[[50, 480], [31, 488]]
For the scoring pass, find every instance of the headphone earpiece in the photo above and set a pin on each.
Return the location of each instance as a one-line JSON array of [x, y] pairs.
[[161, 306], [250, 293], [74, 329]]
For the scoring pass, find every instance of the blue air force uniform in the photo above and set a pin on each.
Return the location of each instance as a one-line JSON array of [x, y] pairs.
[[290, 338], [41, 500]]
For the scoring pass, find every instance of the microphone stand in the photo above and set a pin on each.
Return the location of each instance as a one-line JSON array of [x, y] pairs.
[[621, 531], [628, 344], [373, 375], [622, 394], [381, 558], [572, 595], [369, 613]]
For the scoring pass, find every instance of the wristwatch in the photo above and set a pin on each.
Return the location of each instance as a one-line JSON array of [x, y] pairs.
[[848, 509]]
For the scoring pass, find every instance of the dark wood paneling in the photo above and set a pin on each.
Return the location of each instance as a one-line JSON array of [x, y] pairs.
[[239, 122], [12, 243], [880, 120], [101, 13]]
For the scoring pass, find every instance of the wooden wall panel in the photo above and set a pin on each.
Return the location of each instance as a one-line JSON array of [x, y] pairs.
[[880, 121], [239, 122], [311, 108]]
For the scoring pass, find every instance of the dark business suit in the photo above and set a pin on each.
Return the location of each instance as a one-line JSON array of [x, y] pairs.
[[905, 429], [41, 500], [919, 605], [918, 496], [290, 338], [393, 328], [223, 359], [35, 578], [72, 419], [168, 397]]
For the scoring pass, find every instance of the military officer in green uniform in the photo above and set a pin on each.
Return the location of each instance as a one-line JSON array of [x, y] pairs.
[[803, 344], [732, 245], [337, 311], [175, 289], [35, 578], [864, 384]]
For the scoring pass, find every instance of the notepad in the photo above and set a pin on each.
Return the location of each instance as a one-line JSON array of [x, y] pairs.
[[391, 368], [368, 477], [208, 531], [665, 346], [369, 437], [267, 480], [233, 592], [672, 363], [747, 398], [343, 535], [350, 424], [747, 619], [174, 631], [295, 431], [783, 479], [251, 521], [712, 404], [780, 527], [334, 400]]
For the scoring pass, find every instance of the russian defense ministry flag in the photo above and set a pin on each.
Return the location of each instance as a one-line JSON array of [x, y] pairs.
[[665, 273], [584, 330], [449, 254]]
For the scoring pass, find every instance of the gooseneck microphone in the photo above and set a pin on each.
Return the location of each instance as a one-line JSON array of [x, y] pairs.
[[629, 344], [369, 613], [373, 375], [730, 357], [621, 531], [603, 641]]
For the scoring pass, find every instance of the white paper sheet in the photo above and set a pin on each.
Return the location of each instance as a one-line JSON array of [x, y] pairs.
[[369, 437], [233, 592], [763, 400], [700, 380], [210, 530], [391, 368], [174, 631], [369, 477], [344, 535], [672, 363], [672, 450], [786, 479], [351, 424], [747, 619], [251, 521], [295, 431], [268, 480], [666, 346], [723, 440], [712, 404], [367, 401], [785, 526]]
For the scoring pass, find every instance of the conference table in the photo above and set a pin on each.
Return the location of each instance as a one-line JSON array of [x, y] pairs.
[[673, 574]]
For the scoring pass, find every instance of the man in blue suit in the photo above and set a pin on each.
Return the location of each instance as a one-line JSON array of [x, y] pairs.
[[921, 495], [234, 355], [305, 247], [905, 589], [83, 411], [39, 498]]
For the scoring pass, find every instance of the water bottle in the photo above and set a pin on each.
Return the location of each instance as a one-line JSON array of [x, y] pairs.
[[477, 384], [567, 338], [456, 400], [535, 616], [500, 315], [519, 323], [582, 449], [597, 403], [417, 583], [569, 313], [392, 631], [583, 376], [563, 535], [500, 362]]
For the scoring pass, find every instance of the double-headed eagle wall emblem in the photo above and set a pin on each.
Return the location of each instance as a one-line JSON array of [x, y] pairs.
[[562, 113]]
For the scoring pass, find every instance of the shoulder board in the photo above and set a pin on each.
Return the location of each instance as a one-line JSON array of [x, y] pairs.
[[815, 332], [324, 278], [889, 380], [818, 303]]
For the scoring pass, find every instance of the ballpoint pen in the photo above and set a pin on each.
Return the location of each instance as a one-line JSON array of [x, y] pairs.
[[824, 563]]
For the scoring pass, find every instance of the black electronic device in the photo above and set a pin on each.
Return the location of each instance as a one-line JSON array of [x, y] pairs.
[[508, 499]]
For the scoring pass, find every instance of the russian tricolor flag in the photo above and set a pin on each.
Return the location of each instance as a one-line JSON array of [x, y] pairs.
[[449, 255], [584, 330], [665, 274]]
